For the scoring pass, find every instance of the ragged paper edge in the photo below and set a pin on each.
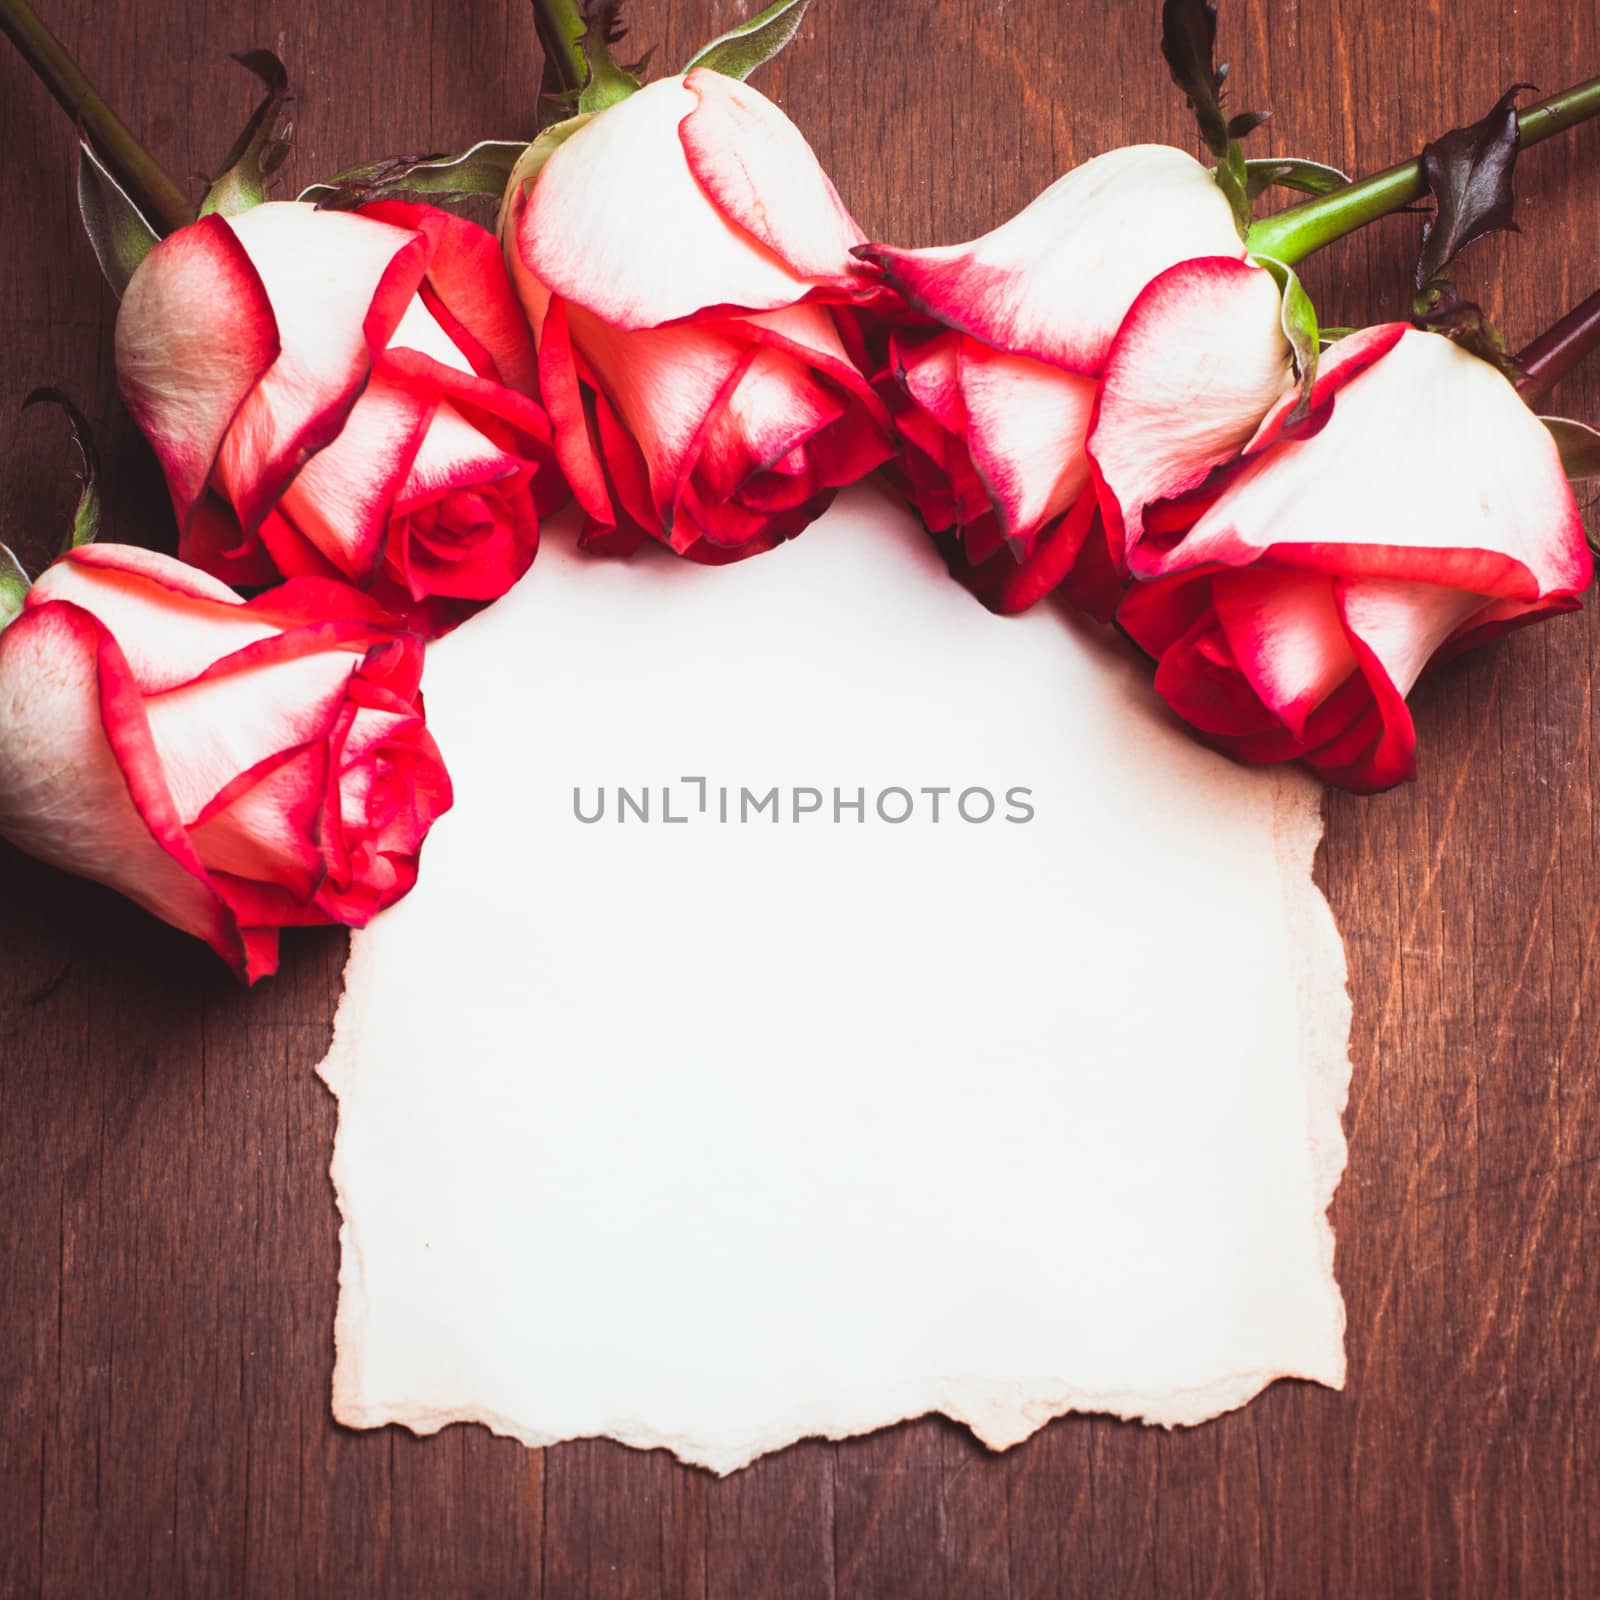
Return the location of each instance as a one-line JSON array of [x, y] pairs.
[[1000, 1415]]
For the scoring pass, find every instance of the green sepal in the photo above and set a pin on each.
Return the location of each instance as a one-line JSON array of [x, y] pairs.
[[1292, 172], [463, 182], [262, 146], [119, 232], [1298, 318], [1579, 447], [531, 158], [14, 586], [1188, 42], [560, 27], [738, 52], [85, 525], [1438, 309], [1232, 179], [608, 82]]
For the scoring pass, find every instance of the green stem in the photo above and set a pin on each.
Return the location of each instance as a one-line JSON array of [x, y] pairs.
[[1292, 234], [146, 181], [561, 26]]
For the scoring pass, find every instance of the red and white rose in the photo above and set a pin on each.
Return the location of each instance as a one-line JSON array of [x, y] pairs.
[[1293, 600], [343, 395], [234, 767], [995, 381], [687, 268]]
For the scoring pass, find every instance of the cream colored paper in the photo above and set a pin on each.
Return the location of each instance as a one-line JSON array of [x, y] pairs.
[[714, 1135]]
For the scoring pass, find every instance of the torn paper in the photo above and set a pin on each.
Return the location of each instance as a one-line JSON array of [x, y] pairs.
[[718, 1132]]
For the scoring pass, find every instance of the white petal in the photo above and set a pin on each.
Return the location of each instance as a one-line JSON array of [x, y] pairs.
[[1056, 280]]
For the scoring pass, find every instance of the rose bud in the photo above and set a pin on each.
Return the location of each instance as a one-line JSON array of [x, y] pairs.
[[994, 383], [343, 395], [686, 266], [233, 767], [1296, 598]]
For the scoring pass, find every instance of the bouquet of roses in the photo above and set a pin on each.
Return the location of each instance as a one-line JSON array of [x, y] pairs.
[[364, 402]]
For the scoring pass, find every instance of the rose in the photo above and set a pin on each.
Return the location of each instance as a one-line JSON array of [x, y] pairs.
[[233, 767], [994, 382], [686, 266], [1296, 598], [343, 395]]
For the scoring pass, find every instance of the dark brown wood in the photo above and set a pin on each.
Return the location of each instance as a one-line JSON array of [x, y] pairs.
[[169, 1244]]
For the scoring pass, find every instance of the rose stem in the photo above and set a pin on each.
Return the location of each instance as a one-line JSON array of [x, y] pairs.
[[561, 26], [144, 178], [1292, 234], [1559, 349]]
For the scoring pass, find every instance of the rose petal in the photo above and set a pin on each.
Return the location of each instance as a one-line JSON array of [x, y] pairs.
[[532, 295], [930, 417], [170, 622], [80, 786], [759, 171], [266, 824], [195, 333], [212, 541], [1092, 583], [1007, 585], [457, 462], [1200, 679], [210, 730], [667, 385], [1378, 747], [812, 334], [391, 788], [325, 603], [452, 455], [1429, 468], [339, 285], [1275, 665], [1198, 362], [775, 408], [1499, 617], [1403, 626], [468, 290], [618, 223], [293, 555], [1287, 634], [343, 497], [930, 372], [423, 355], [576, 447], [1055, 281], [847, 450], [1026, 424], [1340, 363], [625, 467]]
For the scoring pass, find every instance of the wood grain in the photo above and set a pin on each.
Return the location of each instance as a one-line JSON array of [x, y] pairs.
[[169, 1251]]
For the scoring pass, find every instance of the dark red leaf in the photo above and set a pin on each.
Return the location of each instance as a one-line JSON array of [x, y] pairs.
[[1468, 172]]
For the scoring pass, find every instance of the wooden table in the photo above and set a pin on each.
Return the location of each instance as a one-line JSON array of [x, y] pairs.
[[169, 1245]]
